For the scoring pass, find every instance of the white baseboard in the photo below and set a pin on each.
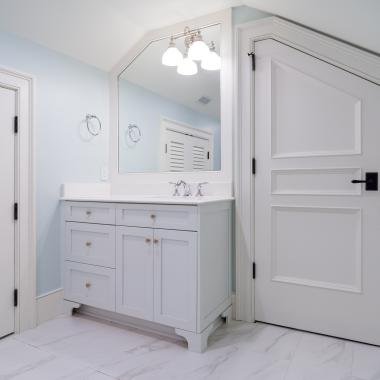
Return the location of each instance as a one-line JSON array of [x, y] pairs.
[[49, 305]]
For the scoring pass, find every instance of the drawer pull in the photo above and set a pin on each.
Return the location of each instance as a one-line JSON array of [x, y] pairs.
[[156, 241], [153, 216], [147, 240], [88, 244], [88, 285], [88, 212]]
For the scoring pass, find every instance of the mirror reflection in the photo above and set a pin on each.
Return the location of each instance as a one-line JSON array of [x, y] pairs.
[[169, 105]]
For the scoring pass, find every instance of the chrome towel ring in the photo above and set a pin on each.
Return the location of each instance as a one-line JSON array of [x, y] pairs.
[[134, 133], [90, 129]]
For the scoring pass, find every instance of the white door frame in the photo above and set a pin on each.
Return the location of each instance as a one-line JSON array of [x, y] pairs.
[[337, 53], [25, 234]]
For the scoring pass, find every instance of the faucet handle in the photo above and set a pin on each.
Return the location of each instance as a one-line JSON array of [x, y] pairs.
[[199, 189], [176, 186]]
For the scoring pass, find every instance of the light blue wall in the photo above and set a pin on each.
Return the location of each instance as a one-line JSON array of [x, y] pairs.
[[144, 108], [65, 90]]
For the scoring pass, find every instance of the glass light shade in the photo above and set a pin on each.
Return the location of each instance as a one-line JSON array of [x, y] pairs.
[[198, 50], [187, 67], [172, 57], [212, 61]]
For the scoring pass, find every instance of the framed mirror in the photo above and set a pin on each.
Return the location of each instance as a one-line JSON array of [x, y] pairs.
[[169, 113]]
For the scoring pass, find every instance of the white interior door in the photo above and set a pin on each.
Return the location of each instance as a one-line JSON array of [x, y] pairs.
[[317, 235], [7, 198]]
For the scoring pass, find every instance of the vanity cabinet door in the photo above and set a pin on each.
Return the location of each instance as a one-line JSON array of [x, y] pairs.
[[134, 272], [175, 278]]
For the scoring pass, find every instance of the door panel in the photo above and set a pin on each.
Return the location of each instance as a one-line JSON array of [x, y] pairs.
[[7, 198], [134, 272], [175, 278], [316, 233]]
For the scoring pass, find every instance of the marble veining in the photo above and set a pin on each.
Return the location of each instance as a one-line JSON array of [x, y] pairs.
[[79, 348]]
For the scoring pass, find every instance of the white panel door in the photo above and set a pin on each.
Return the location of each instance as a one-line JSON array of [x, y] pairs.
[[134, 272], [7, 198], [316, 234], [175, 278]]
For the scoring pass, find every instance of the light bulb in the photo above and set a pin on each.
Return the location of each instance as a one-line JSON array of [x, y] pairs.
[[172, 56], [187, 66], [212, 60]]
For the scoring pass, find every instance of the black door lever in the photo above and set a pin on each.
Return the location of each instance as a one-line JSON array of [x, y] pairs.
[[371, 181]]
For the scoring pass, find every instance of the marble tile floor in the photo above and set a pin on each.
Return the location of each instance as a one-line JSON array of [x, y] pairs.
[[78, 348]]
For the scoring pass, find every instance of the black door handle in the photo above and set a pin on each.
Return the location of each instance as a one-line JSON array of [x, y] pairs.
[[371, 181]]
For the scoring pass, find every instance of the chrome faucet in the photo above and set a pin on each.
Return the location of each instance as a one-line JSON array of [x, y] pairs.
[[176, 188], [199, 189], [186, 188]]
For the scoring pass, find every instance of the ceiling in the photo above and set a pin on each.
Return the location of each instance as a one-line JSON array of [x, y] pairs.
[[354, 21], [100, 32], [148, 72]]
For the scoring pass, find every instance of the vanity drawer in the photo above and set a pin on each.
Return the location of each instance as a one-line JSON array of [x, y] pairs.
[[158, 216], [90, 285], [90, 212], [90, 244]]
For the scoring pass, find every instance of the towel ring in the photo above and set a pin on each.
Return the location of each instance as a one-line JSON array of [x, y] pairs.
[[88, 120], [134, 133]]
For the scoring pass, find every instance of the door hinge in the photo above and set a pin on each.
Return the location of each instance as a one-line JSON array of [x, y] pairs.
[[15, 124], [15, 211], [253, 270], [253, 165], [15, 298], [166, 148], [208, 155], [253, 58]]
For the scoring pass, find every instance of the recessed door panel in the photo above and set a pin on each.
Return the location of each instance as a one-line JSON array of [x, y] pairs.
[[175, 278], [134, 272]]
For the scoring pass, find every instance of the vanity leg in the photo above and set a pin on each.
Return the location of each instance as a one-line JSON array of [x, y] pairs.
[[227, 315], [196, 342], [69, 306]]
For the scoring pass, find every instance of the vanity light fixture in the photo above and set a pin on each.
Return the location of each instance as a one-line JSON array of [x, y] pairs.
[[212, 60], [196, 50], [172, 56], [187, 66]]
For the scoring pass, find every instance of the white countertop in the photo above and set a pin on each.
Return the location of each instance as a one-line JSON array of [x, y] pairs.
[[151, 199]]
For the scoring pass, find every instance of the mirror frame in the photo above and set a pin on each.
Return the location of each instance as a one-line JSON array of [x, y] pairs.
[[133, 183]]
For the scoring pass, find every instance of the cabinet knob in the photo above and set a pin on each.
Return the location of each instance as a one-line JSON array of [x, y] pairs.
[[147, 240], [88, 212], [156, 241], [153, 216], [88, 244], [88, 285]]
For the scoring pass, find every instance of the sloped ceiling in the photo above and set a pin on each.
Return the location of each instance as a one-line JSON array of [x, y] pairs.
[[100, 32]]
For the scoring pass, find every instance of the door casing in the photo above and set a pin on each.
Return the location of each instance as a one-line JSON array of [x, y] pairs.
[[343, 55], [25, 232]]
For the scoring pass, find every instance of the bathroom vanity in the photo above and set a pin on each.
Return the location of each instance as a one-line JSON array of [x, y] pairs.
[[166, 260]]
